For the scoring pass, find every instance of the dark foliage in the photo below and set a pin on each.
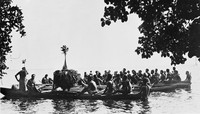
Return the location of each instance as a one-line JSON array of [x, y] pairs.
[[10, 18], [170, 27], [65, 78]]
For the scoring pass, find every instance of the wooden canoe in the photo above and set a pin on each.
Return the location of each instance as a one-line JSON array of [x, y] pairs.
[[47, 93], [10, 93], [168, 87]]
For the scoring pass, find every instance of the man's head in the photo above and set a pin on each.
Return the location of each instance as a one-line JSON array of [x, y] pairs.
[[33, 76], [187, 72], [89, 78], [23, 68], [46, 75], [174, 68]]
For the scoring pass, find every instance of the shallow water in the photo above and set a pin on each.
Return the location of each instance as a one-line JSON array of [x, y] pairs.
[[183, 101]]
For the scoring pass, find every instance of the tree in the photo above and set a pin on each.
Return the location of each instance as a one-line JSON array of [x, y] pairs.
[[64, 49], [170, 27], [11, 18]]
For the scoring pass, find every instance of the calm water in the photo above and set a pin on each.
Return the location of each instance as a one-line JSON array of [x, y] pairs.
[[184, 101]]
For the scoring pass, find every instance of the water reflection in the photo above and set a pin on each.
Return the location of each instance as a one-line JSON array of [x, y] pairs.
[[23, 105], [185, 100], [92, 105], [110, 104], [144, 107], [75, 106], [127, 106], [63, 105]]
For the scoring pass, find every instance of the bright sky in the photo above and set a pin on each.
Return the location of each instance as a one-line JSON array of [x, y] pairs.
[[76, 23]]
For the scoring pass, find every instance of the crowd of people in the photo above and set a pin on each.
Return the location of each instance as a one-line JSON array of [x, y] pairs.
[[118, 82], [134, 77], [123, 81]]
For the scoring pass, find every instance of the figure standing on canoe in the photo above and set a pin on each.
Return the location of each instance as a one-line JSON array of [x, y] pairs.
[[145, 89], [22, 78], [188, 76]]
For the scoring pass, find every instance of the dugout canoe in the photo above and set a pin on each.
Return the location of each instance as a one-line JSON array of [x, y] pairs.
[[10, 93], [168, 87], [164, 87]]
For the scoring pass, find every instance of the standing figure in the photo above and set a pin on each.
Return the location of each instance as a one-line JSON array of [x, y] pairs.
[[145, 89], [188, 76], [22, 78]]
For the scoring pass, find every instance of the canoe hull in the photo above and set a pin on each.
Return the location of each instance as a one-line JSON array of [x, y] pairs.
[[170, 87], [9, 93], [163, 87]]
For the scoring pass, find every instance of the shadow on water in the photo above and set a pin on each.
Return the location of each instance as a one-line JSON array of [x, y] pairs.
[[92, 105], [124, 104], [23, 105], [63, 105], [128, 106], [156, 102], [144, 107], [71, 106]]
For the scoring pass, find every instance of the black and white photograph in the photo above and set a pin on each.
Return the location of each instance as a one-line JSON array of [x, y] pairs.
[[100, 56]]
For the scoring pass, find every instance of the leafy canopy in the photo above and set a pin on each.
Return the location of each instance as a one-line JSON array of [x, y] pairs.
[[170, 27], [10, 18]]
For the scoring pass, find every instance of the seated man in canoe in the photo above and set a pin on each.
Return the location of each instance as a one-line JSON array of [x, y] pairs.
[[31, 85], [97, 78], [109, 86], [176, 77], [45, 79], [91, 88], [162, 76], [169, 76], [126, 87], [117, 80]]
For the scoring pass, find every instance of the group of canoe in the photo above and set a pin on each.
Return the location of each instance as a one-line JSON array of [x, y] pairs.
[[121, 85]]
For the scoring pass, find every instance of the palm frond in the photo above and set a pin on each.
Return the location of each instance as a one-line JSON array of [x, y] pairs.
[[64, 49]]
